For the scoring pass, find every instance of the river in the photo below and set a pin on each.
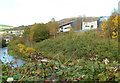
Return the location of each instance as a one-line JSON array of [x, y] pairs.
[[5, 58]]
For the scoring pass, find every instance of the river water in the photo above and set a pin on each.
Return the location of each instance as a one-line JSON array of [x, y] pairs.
[[5, 58]]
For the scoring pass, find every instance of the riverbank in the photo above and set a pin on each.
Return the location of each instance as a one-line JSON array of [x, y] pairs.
[[80, 57], [79, 70], [15, 55], [10, 60]]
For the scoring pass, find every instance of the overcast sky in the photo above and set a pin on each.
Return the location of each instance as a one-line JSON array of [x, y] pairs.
[[27, 12]]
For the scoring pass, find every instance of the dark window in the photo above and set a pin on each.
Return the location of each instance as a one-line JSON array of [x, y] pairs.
[[91, 26], [86, 26], [66, 28]]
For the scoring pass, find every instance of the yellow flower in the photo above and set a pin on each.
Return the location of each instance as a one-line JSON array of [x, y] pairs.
[[114, 36], [29, 50], [21, 47]]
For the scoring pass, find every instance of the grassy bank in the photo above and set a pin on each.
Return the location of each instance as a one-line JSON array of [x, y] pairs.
[[77, 45], [81, 56], [12, 53]]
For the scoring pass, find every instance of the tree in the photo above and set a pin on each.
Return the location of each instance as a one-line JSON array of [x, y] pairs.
[[40, 32], [52, 27], [3, 43], [26, 36], [103, 28], [110, 27], [113, 24], [35, 33]]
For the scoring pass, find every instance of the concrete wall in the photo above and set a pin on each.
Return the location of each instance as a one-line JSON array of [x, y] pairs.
[[89, 25]]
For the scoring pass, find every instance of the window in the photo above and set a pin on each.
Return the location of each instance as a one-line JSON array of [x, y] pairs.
[[66, 28], [86, 26], [91, 26]]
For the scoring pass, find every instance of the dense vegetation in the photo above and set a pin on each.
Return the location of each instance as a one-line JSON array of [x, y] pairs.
[[2, 43], [78, 45], [73, 56], [110, 26], [79, 70], [81, 56]]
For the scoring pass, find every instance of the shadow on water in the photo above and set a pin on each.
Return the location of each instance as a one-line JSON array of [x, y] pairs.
[[5, 58]]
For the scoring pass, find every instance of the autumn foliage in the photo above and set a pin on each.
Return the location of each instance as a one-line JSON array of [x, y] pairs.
[[25, 50], [53, 28], [29, 50], [110, 27]]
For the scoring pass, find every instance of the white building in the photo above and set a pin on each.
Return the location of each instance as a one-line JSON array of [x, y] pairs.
[[82, 24], [3, 32], [87, 25], [16, 32], [65, 27]]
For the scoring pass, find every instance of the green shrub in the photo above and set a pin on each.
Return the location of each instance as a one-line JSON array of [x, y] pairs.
[[3, 43], [40, 33]]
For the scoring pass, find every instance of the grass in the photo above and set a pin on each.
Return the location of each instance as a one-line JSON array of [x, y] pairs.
[[78, 45], [12, 53], [5, 27], [77, 57]]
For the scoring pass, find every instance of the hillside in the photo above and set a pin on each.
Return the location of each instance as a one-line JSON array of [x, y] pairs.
[[76, 18], [78, 45], [2, 27], [81, 56], [5, 25]]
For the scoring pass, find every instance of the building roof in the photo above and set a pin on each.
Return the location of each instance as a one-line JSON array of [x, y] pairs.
[[89, 20], [65, 23]]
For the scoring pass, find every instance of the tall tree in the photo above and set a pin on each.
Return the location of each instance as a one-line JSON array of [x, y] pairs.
[[53, 28], [40, 32], [110, 27], [113, 25]]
